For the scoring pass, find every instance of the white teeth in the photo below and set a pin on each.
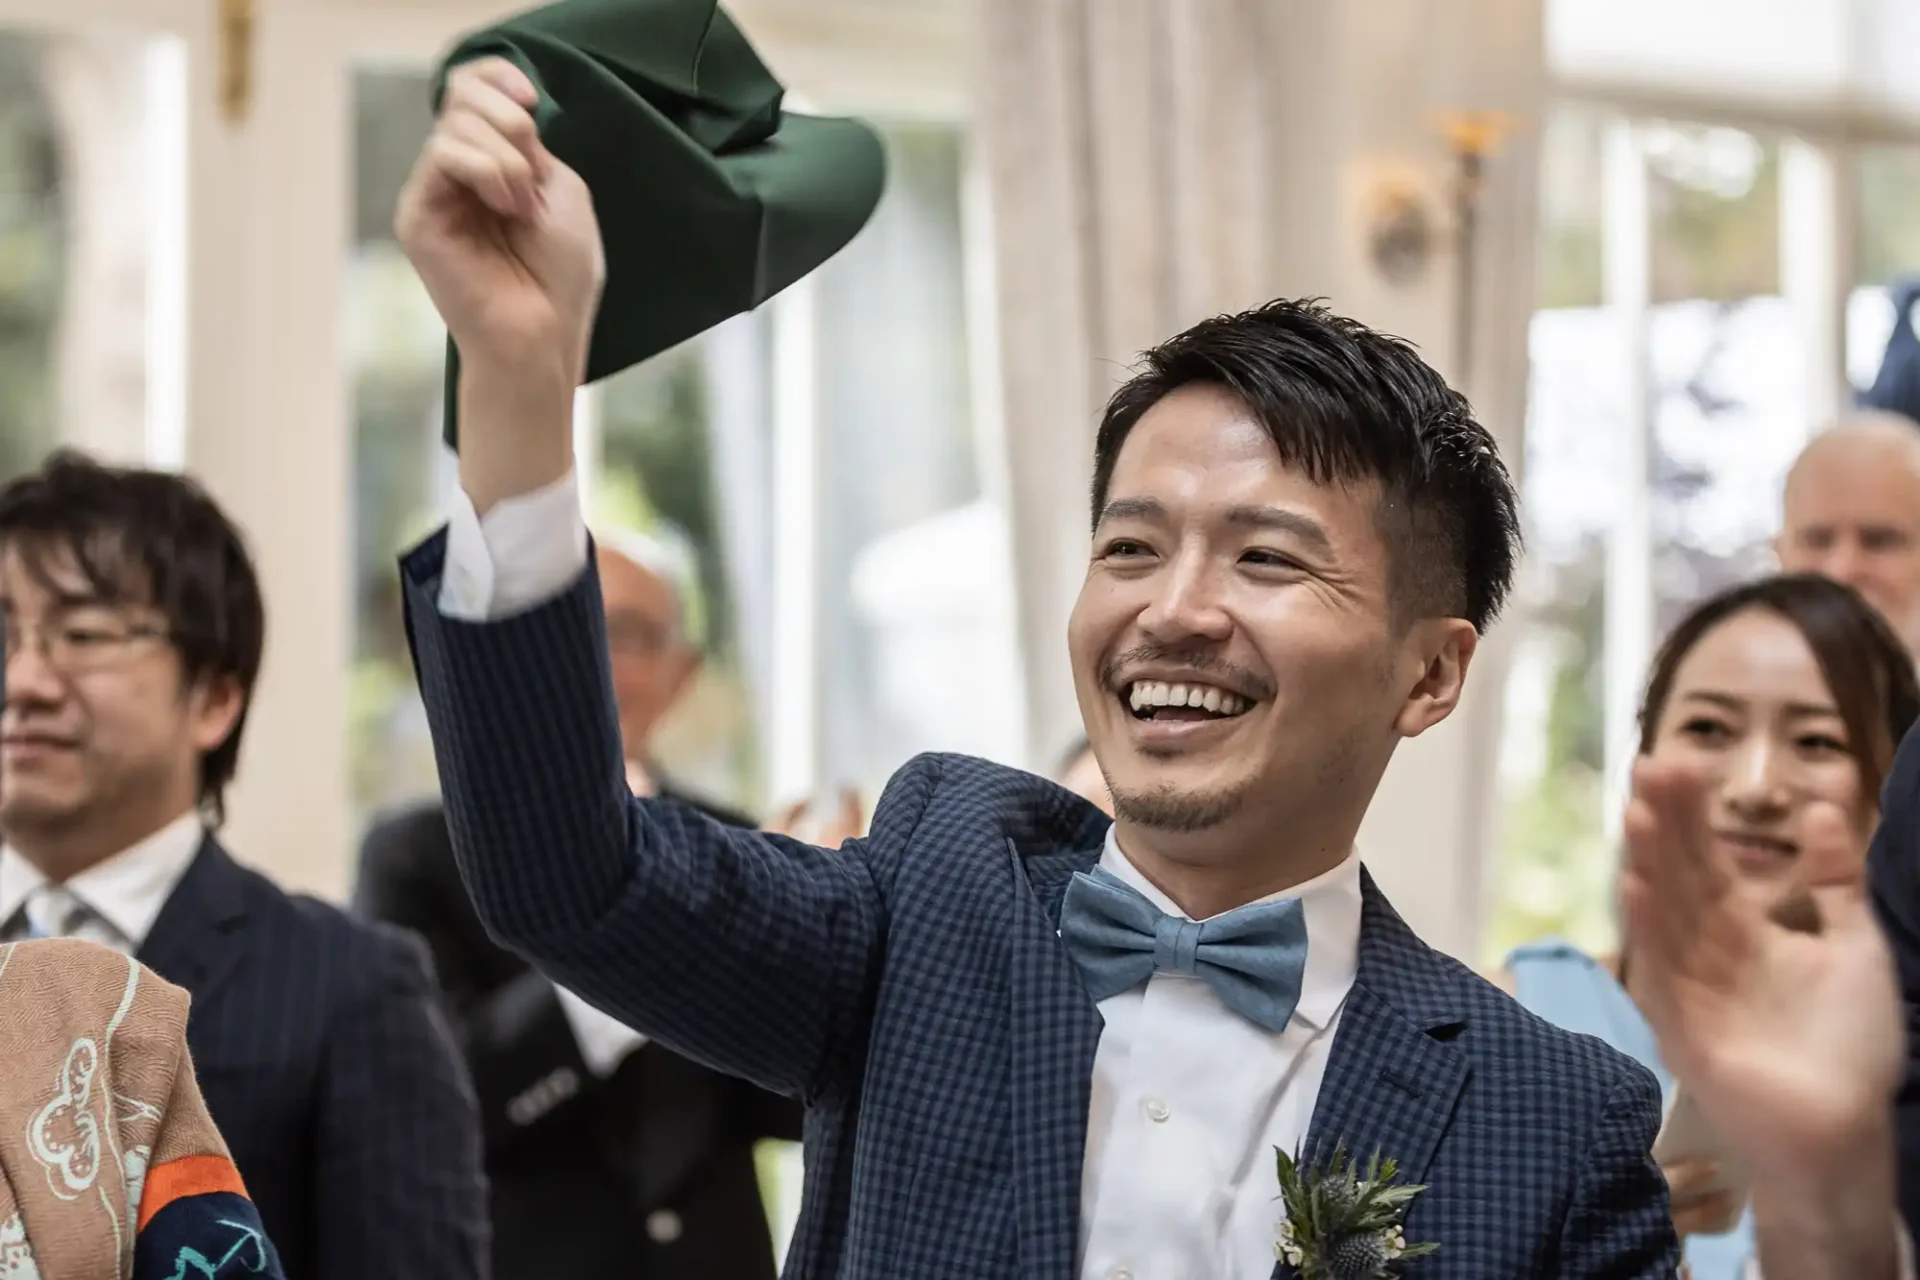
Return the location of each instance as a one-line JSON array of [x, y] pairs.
[[1155, 693]]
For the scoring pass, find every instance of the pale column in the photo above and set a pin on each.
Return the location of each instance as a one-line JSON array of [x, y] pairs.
[[1629, 625], [96, 85], [793, 709], [1819, 217], [1431, 836], [269, 429]]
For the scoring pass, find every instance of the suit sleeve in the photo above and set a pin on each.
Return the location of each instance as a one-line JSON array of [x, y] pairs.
[[194, 1216], [754, 954], [1893, 864], [1620, 1224], [400, 1193], [527, 1068]]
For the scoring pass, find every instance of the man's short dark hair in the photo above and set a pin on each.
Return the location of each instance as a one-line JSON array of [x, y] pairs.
[[1346, 404], [152, 539]]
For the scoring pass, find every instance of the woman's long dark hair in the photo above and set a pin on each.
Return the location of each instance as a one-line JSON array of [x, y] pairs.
[[1867, 669]]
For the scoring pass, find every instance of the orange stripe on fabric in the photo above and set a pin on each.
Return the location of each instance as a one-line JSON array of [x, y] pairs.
[[187, 1176]]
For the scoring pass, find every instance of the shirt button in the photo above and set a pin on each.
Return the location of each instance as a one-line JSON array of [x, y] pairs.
[[663, 1226], [1158, 1111], [1119, 1273]]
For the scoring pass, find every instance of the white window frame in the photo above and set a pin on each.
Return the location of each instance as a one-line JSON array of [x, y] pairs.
[[1819, 234]]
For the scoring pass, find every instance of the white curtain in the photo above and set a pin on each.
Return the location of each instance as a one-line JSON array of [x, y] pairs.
[[1151, 162]]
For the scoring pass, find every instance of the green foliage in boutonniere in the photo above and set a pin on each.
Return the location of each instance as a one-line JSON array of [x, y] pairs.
[[1342, 1220]]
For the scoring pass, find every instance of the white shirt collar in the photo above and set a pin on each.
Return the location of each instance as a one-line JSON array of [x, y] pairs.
[[126, 890], [1331, 903]]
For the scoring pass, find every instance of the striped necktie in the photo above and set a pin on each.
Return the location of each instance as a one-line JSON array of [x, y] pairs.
[[53, 912]]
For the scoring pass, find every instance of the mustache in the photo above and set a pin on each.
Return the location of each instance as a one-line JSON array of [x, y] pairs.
[[1198, 661]]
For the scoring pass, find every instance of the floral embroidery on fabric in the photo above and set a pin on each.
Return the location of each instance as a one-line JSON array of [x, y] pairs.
[[64, 1135], [16, 1255]]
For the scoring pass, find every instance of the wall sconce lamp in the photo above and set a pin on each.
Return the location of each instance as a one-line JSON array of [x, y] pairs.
[[1473, 138]]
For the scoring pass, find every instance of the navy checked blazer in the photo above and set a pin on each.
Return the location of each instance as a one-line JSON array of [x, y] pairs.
[[911, 987]]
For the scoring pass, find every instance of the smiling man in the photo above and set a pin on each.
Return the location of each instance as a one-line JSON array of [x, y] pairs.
[[1034, 1043]]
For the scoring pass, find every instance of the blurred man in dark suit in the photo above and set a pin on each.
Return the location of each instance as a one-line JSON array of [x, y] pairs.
[[609, 1156], [134, 631]]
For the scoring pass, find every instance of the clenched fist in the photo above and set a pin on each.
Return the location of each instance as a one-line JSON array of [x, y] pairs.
[[502, 234]]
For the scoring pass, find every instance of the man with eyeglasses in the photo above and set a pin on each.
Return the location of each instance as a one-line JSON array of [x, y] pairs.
[[134, 629], [607, 1155]]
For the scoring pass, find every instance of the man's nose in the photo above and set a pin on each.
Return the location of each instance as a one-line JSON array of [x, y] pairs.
[[29, 677], [1186, 604], [1844, 561]]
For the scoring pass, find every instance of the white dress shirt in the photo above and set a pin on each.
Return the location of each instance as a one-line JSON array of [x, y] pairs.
[[121, 896], [1190, 1099]]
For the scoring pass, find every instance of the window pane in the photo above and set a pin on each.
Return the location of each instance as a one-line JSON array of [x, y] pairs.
[[1889, 214], [1889, 255], [32, 254], [92, 158], [657, 476], [1716, 213], [1570, 266], [1794, 53], [916, 630], [395, 348], [1727, 401], [1554, 868]]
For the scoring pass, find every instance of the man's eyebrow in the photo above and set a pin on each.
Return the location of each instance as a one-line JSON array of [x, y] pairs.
[[1133, 509], [1303, 527]]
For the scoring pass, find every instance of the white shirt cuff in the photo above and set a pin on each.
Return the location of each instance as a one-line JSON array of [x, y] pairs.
[[604, 1042], [529, 549]]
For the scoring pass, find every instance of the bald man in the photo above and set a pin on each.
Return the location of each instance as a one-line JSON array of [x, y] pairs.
[[608, 1156], [1852, 512]]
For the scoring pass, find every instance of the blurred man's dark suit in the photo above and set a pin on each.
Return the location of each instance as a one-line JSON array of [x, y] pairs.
[[1894, 865], [328, 1069], [649, 1172]]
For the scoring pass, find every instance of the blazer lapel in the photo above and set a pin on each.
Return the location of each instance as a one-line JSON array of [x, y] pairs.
[[1055, 1029], [1393, 1078], [196, 939]]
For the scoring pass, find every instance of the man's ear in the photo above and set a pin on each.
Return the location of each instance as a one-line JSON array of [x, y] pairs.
[[1437, 654], [686, 668], [216, 704]]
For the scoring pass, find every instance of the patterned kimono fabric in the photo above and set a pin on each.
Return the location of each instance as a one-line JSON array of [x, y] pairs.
[[110, 1167]]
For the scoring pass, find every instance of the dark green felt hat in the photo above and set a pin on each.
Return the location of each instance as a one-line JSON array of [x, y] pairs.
[[711, 198]]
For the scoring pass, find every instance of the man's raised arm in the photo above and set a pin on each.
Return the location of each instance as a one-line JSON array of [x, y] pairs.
[[750, 952]]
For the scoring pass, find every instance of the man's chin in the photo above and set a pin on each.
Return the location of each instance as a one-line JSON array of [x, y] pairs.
[[1177, 810], [30, 812]]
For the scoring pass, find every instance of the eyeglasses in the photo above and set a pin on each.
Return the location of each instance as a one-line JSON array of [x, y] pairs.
[[82, 641]]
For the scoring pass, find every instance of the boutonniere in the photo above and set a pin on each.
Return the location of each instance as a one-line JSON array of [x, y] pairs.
[[1343, 1221]]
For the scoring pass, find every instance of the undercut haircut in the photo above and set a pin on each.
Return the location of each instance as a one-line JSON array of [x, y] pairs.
[[1346, 405]]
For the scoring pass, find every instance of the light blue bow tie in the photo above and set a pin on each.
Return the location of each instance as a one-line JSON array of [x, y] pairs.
[[1253, 957]]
